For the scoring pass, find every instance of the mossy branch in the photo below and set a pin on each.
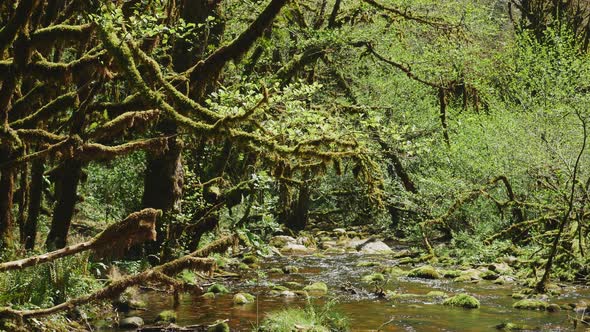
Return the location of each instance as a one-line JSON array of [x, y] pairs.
[[53, 108], [408, 15], [59, 32], [138, 227], [124, 122]]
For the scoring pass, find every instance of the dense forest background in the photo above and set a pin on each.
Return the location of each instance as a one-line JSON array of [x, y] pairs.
[[146, 130]]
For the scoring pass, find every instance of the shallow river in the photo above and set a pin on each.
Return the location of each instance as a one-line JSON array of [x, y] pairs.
[[365, 311]]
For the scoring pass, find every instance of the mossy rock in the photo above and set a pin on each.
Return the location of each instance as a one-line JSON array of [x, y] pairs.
[[218, 289], [489, 275], [317, 288], [553, 307], [275, 270], [394, 271], [518, 296], [243, 266], [514, 327], [288, 269], [138, 304], [243, 298], [405, 261], [375, 277], [462, 300], [531, 304], [319, 255], [450, 274], [209, 295], [167, 316], [368, 264], [218, 327], [250, 259], [425, 272]]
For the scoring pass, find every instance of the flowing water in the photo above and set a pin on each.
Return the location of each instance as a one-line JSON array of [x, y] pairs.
[[365, 310]]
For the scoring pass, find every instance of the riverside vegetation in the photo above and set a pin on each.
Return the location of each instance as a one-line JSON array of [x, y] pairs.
[[196, 165]]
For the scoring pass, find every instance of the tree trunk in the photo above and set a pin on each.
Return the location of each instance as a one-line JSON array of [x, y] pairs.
[[299, 212], [6, 198], [30, 229], [66, 191], [163, 182]]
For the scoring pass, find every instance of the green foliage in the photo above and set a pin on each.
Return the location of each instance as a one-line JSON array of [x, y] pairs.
[[312, 318], [48, 284], [113, 190]]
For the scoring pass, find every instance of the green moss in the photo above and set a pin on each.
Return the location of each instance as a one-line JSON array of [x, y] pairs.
[[451, 274], [515, 327], [393, 271], [489, 275], [375, 277], [275, 270], [317, 288], [462, 300], [426, 272], [167, 316], [250, 259], [531, 304], [279, 288], [217, 289], [518, 296], [243, 266], [405, 260]]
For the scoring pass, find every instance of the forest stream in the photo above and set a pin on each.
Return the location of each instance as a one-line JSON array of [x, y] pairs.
[[357, 300]]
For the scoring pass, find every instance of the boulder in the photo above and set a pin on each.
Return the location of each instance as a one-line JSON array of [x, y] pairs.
[[462, 300], [375, 247], [166, 316], [243, 298], [531, 304], [293, 248], [131, 322], [317, 288], [425, 272]]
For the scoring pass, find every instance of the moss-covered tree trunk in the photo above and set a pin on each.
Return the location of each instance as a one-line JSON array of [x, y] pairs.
[[6, 199]]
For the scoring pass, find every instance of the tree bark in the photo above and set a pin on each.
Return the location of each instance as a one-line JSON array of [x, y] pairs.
[[6, 199], [30, 229], [66, 191]]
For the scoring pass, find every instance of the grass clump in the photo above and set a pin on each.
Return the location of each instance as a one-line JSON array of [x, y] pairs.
[[310, 318], [462, 300]]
